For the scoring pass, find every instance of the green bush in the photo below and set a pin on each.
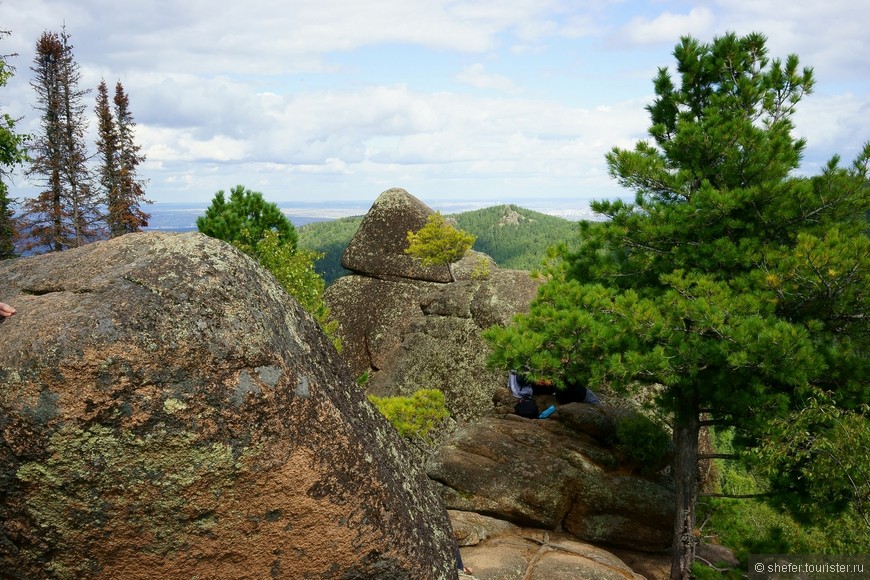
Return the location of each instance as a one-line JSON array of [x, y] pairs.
[[643, 441], [755, 526], [414, 417], [481, 269]]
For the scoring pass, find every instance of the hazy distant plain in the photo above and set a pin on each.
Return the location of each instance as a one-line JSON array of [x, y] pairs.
[[182, 216]]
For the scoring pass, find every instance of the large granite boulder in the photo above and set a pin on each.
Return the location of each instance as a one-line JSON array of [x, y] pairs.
[[168, 411], [553, 475], [378, 247]]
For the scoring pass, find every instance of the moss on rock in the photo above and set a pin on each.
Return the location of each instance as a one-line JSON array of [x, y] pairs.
[[160, 487]]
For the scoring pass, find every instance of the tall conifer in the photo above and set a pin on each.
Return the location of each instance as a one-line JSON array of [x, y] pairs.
[[732, 288], [107, 153], [126, 214], [119, 155], [65, 213]]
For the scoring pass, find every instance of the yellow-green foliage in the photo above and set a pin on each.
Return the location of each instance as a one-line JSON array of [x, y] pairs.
[[416, 416], [438, 243], [161, 487], [481, 269]]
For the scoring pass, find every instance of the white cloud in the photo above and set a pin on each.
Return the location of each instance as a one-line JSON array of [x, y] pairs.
[[476, 76], [268, 36], [830, 36], [330, 165], [668, 27], [399, 137], [181, 145], [832, 124], [282, 96]]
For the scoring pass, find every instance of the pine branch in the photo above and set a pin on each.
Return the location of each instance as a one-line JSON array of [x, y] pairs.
[[710, 565]]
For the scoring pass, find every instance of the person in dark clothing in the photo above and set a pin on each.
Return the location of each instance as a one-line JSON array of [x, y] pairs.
[[576, 393], [459, 565]]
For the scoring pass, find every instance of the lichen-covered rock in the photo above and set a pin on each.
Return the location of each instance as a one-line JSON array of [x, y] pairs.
[[549, 475], [373, 315], [378, 247], [167, 411], [415, 335]]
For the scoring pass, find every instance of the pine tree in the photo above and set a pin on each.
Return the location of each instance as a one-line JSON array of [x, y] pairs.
[[119, 159], [7, 224], [125, 213], [733, 288], [12, 153], [245, 218], [107, 150], [65, 214]]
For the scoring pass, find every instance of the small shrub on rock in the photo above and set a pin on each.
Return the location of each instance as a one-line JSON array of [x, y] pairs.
[[414, 417]]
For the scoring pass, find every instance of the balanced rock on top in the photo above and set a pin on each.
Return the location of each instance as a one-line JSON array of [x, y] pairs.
[[378, 247]]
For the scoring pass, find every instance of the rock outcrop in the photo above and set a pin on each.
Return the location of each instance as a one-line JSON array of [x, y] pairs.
[[550, 475], [413, 331], [168, 411], [552, 487]]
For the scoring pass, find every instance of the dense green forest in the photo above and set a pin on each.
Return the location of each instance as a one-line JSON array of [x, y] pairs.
[[514, 237], [329, 239]]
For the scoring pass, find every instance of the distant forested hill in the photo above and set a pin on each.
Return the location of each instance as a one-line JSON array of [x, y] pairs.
[[514, 237], [329, 238]]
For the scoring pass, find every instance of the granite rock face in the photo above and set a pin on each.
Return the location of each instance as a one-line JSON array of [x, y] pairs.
[[410, 329], [498, 549], [552, 475], [167, 411], [414, 335]]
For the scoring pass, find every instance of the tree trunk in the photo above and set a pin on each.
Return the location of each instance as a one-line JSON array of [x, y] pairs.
[[686, 486]]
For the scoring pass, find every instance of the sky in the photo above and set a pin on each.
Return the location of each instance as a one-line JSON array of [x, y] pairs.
[[492, 100]]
